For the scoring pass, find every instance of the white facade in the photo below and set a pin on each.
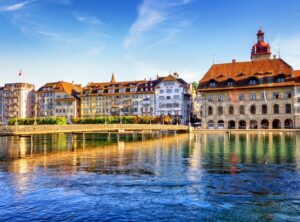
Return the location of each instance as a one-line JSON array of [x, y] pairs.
[[1, 105], [17, 101], [172, 99], [297, 106]]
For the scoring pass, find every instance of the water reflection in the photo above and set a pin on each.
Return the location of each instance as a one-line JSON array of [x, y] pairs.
[[187, 176]]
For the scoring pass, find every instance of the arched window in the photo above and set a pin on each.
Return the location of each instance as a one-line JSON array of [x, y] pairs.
[[253, 124], [276, 124], [231, 124], [264, 109], [220, 124], [253, 109], [210, 110], [242, 110], [231, 110], [288, 124], [242, 124], [265, 124], [288, 108], [210, 124], [276, 109], [220, 110]]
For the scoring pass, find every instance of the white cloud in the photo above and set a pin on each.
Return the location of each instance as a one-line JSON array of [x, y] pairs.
[[92, 20], [14, 7], [289, 47], [151, 14]]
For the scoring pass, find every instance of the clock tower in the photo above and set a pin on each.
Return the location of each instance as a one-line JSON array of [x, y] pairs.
[[261, 50]]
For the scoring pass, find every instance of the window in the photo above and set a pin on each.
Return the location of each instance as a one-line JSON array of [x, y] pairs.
[[288, 108], [220, 98], [161, 91], [241, 97], [176, 90], [169, 90], [231, 110], [242, 110], [209, 98], [252, 96], [276, 109], [230, 83], [212, 83], [168, 97], [176, 97], [176, 105], [253, 109], [280, 79], [161, 97], [288, 95], [169, 105], [264, 109], [298, 99], [220, 110], [210, 110], [252, 81], [275, 95]]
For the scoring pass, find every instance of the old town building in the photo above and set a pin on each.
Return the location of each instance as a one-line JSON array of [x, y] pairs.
[[173, 98], [161, 96], [16, 101], [250, 95], [61, 99]]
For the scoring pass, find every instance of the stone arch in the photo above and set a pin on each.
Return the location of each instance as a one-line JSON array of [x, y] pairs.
[[242, 124], [210, 124], [253, 124], [264, 124], [221, 124], [231, 124], [288, 124], [276, 124]]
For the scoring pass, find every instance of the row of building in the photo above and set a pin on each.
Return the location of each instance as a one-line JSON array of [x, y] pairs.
[[262, 93]]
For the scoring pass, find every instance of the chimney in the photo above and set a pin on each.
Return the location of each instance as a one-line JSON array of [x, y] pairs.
[[233, 60], [274, 56]]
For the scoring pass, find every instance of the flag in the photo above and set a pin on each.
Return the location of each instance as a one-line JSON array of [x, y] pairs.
[[20, 73], [265, 96]]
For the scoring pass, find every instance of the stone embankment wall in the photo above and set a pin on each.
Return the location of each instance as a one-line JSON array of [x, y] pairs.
[[40, 129]]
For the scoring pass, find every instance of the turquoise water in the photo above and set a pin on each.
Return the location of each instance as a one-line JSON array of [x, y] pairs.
[[196, 177]]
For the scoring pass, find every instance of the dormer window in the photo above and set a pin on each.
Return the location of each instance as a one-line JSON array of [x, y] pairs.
[[280, 79], [230, 83], [253, 81], [212, 83]]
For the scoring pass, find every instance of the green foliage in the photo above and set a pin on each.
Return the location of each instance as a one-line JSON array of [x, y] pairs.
[[40, 121], [121, 119], [195, 85]]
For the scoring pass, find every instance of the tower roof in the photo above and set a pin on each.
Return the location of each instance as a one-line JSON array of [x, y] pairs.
[[113, 79]]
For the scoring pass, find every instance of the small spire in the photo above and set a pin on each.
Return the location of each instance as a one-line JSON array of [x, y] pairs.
[[113, 79]]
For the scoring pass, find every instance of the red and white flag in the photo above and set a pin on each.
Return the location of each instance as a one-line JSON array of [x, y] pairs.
[[20, 73]]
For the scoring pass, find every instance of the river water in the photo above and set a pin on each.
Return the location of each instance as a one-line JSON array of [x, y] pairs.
[[184, 177]]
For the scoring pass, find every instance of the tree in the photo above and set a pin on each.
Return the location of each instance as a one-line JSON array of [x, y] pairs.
[[195, 85]]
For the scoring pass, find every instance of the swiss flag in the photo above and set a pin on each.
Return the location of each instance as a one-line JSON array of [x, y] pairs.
[[20, 73]]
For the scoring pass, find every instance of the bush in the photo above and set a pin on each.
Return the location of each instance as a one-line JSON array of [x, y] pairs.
[[40, 121]]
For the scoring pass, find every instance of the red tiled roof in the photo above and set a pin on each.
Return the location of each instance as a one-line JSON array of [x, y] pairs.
[[243, 70]]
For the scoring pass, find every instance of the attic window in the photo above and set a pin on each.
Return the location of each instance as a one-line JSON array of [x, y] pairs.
[[212, 83], [230, 82]]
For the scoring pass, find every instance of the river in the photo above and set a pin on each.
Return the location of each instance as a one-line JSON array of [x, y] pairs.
[[135, 177]]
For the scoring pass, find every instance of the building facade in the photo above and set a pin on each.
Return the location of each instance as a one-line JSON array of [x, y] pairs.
[[1, 105], [61, 99], [161, 96], [173, 98], [256, 94], [118, 98], [17, 101]]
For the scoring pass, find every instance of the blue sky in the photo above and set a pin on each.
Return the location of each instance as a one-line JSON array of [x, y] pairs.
[[87, 40]]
